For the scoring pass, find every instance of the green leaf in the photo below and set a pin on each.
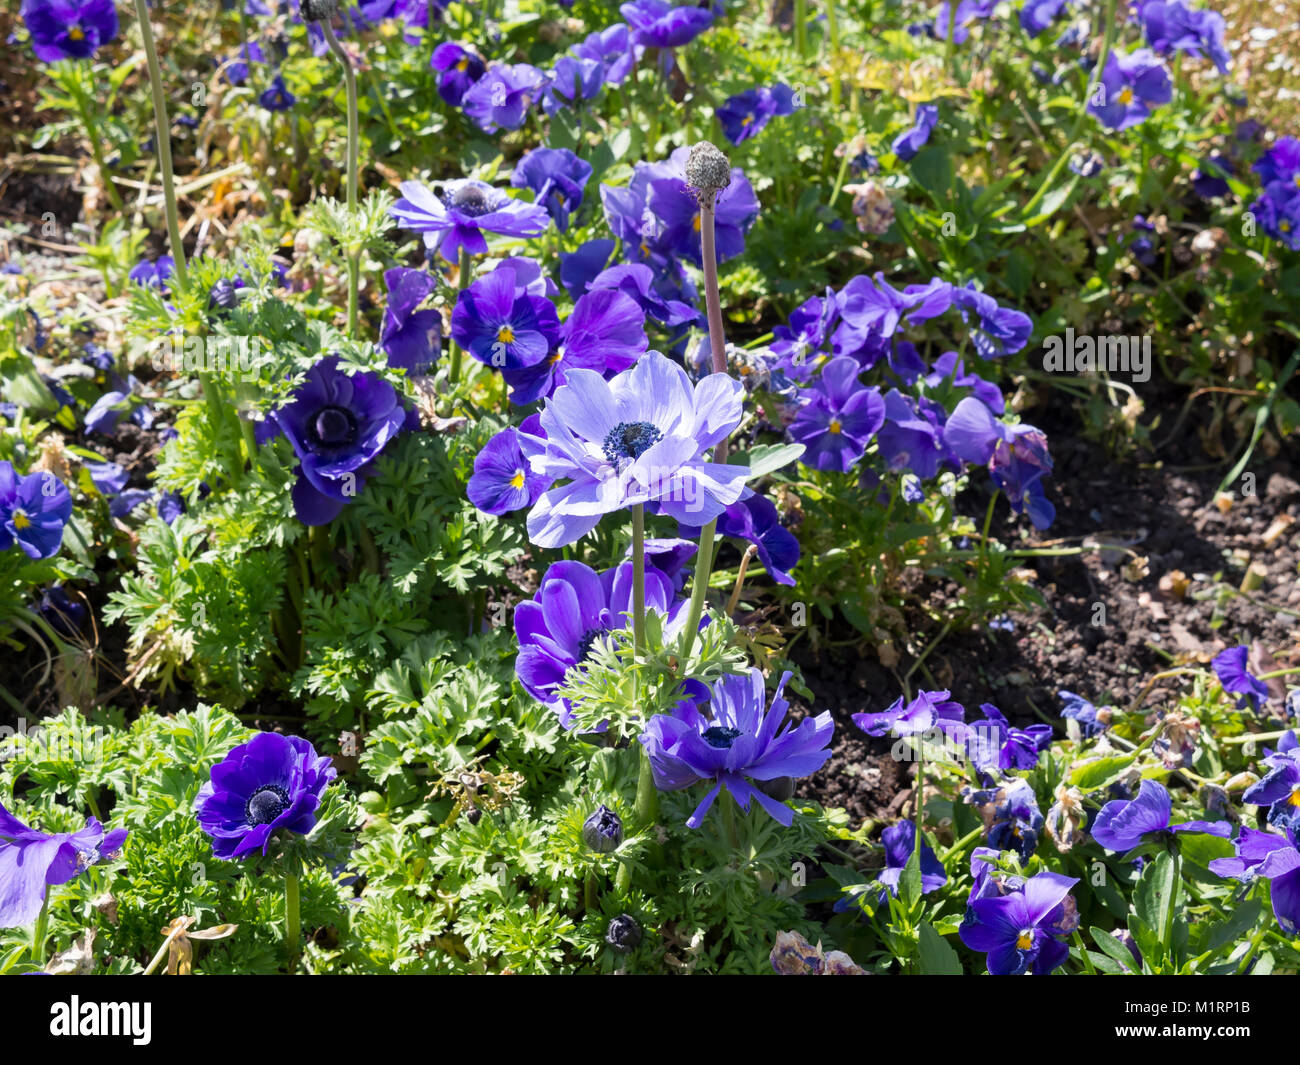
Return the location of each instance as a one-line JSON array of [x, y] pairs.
[[1111, 946], [1101, 773], [937, 957], [765, 458], [1152, 894]]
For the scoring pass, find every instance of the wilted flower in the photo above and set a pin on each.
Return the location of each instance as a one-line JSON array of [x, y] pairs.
[[1066, 818], [31, 861], [739, 743], [269, 784], [792, 955], [872, 207], [1091, 721]]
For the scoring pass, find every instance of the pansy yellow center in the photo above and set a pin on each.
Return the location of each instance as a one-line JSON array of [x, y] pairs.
[[21, 520], [506, 335], [463, 64], [1025, 941], [1294, 798], [696, 223], [645, 248], [76, 33], [517, 481], [1284, 226], [1125, 96], [747, 120], [1297, 181], [835, 426]]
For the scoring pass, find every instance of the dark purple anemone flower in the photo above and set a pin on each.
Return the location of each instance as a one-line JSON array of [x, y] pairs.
[[503, 326], [1124, 824], [502, 480], [338, 425], [1271, 857], [643, 437], [276, 96], [411, 338], [605, 332], [1016, 455], [1131, 87], [500, 99], [1037, 15], [838, 419], [459, 68], [154, 274], [928, 711], [31, 861], [573, 607], [557, 178], [1171, 26], [269, 784], [1023, 930], [69, 29], [33, 511], [738, 743], [465, 210], [913, 139], [994, 743], [1231, 667], [659, 24]]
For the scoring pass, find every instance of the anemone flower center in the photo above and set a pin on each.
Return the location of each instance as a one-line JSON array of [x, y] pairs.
[[470, 200], [720, 736], [506, 335], [21, 520], [629, 440], [335, 426], [1025, 941], [588, 641], [266, 804]]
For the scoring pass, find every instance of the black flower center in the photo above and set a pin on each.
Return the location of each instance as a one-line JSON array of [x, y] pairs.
[[335, 427], [266, 804], [588, 640], [720, 736], [628, 440], [471, 200]]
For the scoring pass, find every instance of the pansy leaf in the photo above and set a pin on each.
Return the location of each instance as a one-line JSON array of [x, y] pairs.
[[937, 957], [1112, 946], [1099, 774]]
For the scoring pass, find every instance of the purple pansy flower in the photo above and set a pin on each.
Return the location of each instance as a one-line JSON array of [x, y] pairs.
[[500, 99], [154, 274], [465, 210], [659, 24], [928, 711], [411, 338], [269, 784], [997, 330], [502, 481], [1091, 720], [738, 741], [796, 344], [1280, 788], [33, 511], [578, 269], [1231, 667], [613, 48], [899, 841], [968, 13], [503, 326], [572, 608], [911, 437], [839, 417], [1210, 178], [642, 437], [1127, 823], [1016, 455], [557, 178], [276, 96], [1022, 930], [949, 367], [1171, 26], [994, 743], [337, 425], [1274, 858], [1130, 87], [31, 861], [1037, 15], [458, 68], [913, 139], [69, 29], [572, 81]]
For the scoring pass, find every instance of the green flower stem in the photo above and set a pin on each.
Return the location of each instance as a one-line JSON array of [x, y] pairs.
[[1050, 179], [1084, 955], [97, 152], [292, 921], [1173, 905], [38, 933], [638, 578], [162, 138], [462, 283], [354, 151], [801, 27], [984, 536], [699, 584]]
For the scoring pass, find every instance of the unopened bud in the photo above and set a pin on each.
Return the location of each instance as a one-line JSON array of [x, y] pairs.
[[603, 830], [623, 933], [707, 169]]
